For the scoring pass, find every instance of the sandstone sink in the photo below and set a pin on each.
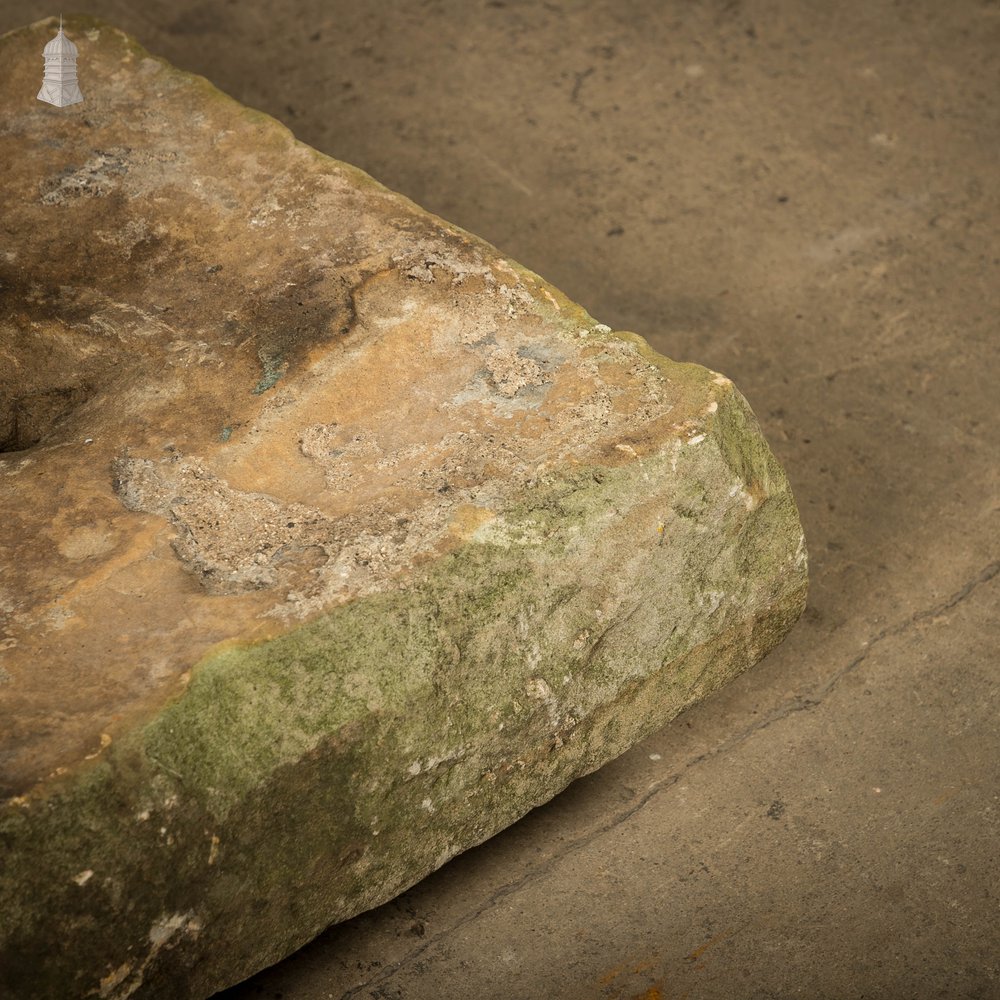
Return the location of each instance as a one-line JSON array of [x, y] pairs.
[[331, 541]]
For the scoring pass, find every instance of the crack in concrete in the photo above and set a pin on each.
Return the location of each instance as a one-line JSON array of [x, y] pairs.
[[984, 576], [799, 703]]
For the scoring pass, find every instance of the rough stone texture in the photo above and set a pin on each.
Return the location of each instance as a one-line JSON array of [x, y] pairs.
[[333, 542]]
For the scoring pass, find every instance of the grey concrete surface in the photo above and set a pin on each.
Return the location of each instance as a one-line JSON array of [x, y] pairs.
[[805, 196]]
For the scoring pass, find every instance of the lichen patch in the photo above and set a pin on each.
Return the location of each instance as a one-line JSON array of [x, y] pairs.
[[511, 372]]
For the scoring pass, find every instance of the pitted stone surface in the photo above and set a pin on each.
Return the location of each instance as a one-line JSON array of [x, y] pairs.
[[333, 541]]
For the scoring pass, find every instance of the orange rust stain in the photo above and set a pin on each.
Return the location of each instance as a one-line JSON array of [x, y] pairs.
[[609, 977], [653, 993], [701, 949]]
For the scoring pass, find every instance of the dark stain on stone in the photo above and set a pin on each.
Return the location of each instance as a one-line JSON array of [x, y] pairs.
[[26, 420], [285, 323]]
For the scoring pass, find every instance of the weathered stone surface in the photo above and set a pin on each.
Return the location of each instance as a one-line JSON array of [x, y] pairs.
[[332, 542]]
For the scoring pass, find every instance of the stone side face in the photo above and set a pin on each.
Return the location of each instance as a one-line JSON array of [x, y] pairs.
[[376, 541]]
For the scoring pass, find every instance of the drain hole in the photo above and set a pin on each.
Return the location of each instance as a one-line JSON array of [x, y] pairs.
[[25, 421]]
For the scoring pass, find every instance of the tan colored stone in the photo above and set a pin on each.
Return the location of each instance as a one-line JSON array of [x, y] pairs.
[[332, 541]]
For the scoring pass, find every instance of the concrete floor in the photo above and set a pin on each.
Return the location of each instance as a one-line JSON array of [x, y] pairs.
[[805, 196]]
